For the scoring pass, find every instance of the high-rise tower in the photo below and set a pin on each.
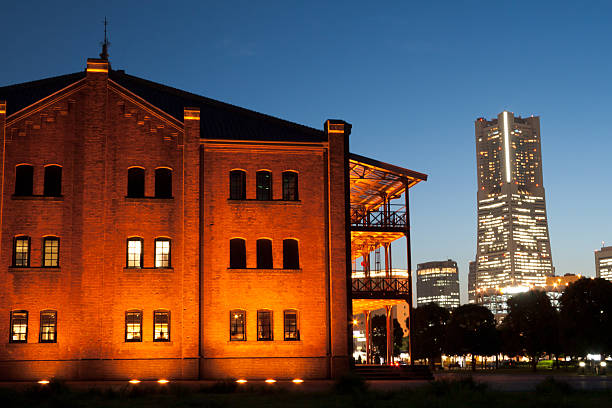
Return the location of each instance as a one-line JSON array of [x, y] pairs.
[[513, 251]]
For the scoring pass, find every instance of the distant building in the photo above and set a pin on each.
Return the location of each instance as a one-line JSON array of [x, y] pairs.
[[556, 285], [513, 251], [438, 282], [603, 263], [472, 282]]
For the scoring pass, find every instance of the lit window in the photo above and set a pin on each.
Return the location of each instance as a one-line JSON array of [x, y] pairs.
[[264, 254], [51, 252], [292, 333], [24, 180], [291, 255], [134, 253], [237, 185], [264, 185], [21, 252], [19, 326], [133, 325], [48, 326], [237, 253], [290, 186], [136, 182], [163, 183], [53, 181], [264, 325], [237, 325], [161, 325], [162, 253]]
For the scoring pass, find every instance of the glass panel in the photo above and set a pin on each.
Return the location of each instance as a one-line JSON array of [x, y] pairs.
[[22, 250], [53, 181], [264, 325], [134, 253], [290, 188], [163, 183], [237, 322], [291, 330], [19, 327], [264, 185], [161, 326], [48, 326], [162, 253], [133, 326], [51, 252], [237, 185]]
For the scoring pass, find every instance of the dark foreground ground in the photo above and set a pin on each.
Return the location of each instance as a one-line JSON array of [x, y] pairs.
[[458, 391]]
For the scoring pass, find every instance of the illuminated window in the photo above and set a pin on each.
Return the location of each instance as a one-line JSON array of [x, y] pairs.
[[133, 325], [136, 182], [292, 333], [264, 325], [237, 253], [48, 326], [264, 185], [291, 255], [290, 186], [237, 185], [237, 325], [21, 252], [19, 326], [161, 325], [51, 252], [53, 181], [134, 253], [163, 183], [162, 253], [264, 254], [24, 180]]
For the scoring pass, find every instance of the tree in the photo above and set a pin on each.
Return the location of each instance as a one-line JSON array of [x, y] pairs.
[[586, 317], [429, 332], [379, 336], [531, 325], [471, 330]]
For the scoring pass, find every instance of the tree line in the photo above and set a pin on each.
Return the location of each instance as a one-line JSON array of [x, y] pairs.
[[532, 327]]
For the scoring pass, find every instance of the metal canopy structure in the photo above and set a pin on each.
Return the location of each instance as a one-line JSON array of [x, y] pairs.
[[372, 180]]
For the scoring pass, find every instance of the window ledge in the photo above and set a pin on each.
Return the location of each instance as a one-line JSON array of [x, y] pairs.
[[251, 200], [260, 342], [149, 199], [38, 198], [274, 270], [162, 270], [19, 269]]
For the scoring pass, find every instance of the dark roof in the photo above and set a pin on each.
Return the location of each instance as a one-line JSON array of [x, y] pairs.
[[218, 120], [23, 95]]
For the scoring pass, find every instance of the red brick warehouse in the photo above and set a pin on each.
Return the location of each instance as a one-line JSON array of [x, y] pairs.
[[147, 232]]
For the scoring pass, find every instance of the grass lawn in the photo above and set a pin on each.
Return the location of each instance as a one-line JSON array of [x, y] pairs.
[[351, 392]]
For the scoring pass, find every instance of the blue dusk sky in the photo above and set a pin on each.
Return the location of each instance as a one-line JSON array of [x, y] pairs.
[[411, 76]]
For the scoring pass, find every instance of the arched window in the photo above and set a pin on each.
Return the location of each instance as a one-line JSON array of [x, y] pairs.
[[264, 254], [21, 252], [163, 183], [48, 326], [237, 185], [237, 253], [133, 325], [264, 185], [291, 328], [162, 253], [51, 247], [134, 253], [24, 179], [291, 255], [19, 326], [264, 325], [136, 182], [237, 325], [290, 186], [53, 181], [161, 325]]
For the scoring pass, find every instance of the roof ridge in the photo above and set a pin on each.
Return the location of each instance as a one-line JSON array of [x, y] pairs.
[[218, 104], [40, 81]]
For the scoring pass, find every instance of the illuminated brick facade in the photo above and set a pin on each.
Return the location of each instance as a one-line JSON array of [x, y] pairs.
[[103, 282]]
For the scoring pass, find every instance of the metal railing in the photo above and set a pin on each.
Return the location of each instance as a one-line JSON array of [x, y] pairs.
[[399, 286], [395, 217]]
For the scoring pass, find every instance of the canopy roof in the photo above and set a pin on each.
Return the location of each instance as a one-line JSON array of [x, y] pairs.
[[371, 179]]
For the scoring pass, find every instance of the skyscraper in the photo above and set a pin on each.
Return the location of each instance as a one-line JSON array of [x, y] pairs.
[[513, 250], [438, 282], [471, 287], [603, 263]]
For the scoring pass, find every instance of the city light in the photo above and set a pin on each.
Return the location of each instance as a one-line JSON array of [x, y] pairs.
[[582, 364]]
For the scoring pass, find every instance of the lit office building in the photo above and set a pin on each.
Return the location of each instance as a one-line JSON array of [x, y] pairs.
[[513, 250], [438, 282], [603, 263], [471, 289]]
